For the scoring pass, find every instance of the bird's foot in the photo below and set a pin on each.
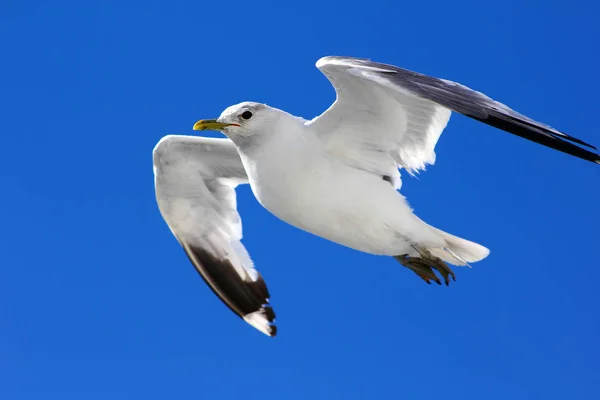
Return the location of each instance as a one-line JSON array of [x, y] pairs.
[[425, 265]]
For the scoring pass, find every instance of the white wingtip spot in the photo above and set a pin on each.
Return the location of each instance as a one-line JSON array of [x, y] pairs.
[[258, 320]]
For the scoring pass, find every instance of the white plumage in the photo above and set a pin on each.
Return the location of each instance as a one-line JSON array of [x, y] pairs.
[[336, 176]]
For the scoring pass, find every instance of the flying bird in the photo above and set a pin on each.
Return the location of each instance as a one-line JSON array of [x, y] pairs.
[[336, 176]]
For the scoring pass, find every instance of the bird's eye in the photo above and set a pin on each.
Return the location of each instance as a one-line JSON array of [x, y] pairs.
[[246, 115]]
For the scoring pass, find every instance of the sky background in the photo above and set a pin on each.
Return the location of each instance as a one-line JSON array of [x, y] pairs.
[[97, 299]]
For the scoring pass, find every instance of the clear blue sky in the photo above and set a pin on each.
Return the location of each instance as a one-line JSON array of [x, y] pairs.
[[97, 299]]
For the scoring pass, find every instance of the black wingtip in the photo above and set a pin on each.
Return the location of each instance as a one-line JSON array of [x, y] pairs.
[[270, 314], [247, 299], [542, 136], [579, 141]]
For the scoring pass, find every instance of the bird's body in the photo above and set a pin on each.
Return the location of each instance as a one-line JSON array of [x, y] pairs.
[[336, 176], [294, 178]]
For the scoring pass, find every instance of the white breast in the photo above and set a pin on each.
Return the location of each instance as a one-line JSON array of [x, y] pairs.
[[285, 177]]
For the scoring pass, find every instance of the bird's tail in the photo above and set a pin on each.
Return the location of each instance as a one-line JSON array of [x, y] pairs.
[[459, 251]]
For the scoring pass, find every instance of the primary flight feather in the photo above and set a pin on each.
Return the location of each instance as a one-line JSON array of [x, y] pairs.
[[336, 176]]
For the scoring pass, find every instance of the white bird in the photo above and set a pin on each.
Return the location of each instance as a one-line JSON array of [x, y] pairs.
[[335, 176]]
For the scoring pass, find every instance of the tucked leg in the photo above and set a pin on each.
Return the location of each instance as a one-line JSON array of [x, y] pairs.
[[425, 265]]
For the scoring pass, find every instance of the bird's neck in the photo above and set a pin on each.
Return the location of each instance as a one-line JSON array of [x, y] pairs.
[[284, 133], [271, 166]]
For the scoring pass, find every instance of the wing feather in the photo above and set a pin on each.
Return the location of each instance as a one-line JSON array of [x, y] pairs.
[[195, 181], [384, 115]]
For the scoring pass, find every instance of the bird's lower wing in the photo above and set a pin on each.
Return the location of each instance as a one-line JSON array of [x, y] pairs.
[[195, 180]]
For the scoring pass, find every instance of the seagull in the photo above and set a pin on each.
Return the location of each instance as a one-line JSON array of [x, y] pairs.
[[336, 176]]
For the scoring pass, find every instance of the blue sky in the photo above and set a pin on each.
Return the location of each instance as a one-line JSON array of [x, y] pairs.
[[98, 300]]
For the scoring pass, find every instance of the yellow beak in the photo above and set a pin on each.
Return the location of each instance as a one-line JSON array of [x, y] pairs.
[[210, 125]]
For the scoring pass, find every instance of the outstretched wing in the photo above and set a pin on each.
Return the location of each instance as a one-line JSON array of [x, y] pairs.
[[385, 116], [195, 181]]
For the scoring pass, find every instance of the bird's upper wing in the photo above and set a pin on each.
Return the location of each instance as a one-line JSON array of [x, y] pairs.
[[195, 181], [385, 116]]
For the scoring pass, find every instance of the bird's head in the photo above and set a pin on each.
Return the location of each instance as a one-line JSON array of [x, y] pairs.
[[243, 122]]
